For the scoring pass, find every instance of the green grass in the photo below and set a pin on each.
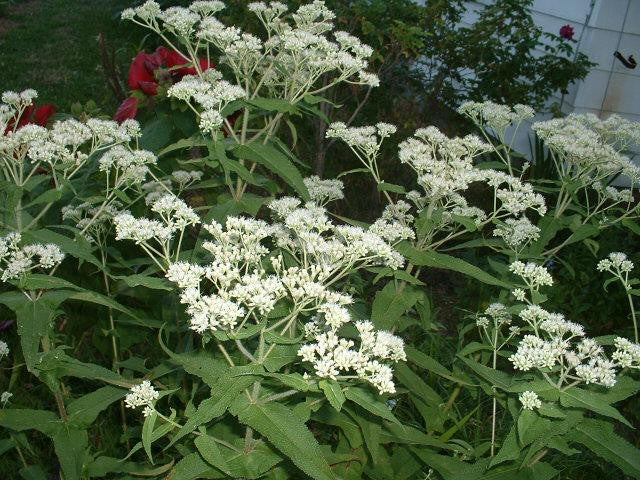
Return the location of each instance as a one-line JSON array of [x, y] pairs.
[[52, 46]]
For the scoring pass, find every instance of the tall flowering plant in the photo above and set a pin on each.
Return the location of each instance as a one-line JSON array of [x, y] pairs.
[[241, 328]]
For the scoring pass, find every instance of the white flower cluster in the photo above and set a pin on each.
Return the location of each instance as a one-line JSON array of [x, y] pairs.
[[591, 147], [517, 233], [534, 276], [444, 165], [529, 400], [298, 52], [395, 224], [4, 398], [627, 354], [4, 349], [175, 217], [559, 347], [365, 141], [495, 116], [142, 395], [16, 261], [322, 191], [125, 166], [616, 263], [323, 252], [185, 178], [334, 357], [65, 146], [94, 221], [211, 93]]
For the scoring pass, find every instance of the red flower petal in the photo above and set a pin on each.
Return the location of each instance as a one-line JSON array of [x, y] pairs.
[[42, 114], [142, 70], [127, 109]]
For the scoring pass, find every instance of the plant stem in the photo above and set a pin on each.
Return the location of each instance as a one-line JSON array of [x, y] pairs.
[[46, 347]]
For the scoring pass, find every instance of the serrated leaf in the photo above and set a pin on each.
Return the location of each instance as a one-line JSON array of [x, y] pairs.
[[440, 260], [288, 434], [601, 439], [277, 162], [390, 303], [368, 401], [578, 398], [210, 451], [147, 431], [333, 393], [84, 410]]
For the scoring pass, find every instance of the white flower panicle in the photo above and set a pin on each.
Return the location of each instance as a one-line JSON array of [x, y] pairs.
[[142, 395], [517, 233], [495, 116], [63, 148], [298, 52], [534, 276], [16, 261], [332, 356], [529, 400], [324, 191], [5, 397], [558, 347], [4, 349], [616, 262], [592, 148]]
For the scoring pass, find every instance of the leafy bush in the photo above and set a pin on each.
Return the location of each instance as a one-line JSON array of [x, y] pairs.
[[206, 293]]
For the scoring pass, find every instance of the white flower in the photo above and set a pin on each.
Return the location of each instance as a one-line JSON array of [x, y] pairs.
[[4, 349], [529, 400], [185, 274], [324, 191], [4, 398], [616, 261], [141, 395], [533, 275]]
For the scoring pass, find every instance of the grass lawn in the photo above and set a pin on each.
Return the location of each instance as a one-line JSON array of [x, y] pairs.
[[52, 46]]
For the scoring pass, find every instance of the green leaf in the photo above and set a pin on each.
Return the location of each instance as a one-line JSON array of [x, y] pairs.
[[440, 260], [277, 162], [509, 449], [71, 447], [600, 437], [153, 283], [78, 247], [428, 363], [273, 105], [417, 386], [390, 303], [391, 187], [20, 419], [182, 144], [223, 393], [191, 467], [287, 433], [495, 377], [209, 450], [578, 398], [101, 466], [368, 401], [84, 410], [333, 392], [147, 431]]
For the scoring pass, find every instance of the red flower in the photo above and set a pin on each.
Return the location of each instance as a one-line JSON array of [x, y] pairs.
[[32, 115], [142, 72], [566, 32], [127, 109], [42, 114], [174, 59]]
